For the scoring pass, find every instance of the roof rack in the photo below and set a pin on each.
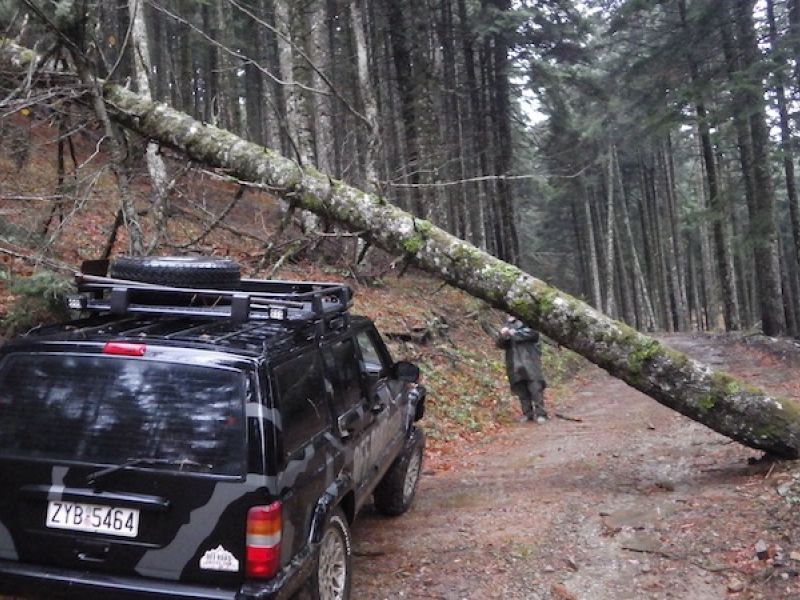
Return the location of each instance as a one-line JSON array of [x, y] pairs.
[[255, 300]]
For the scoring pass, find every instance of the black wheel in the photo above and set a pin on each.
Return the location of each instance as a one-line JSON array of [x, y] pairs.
[[178, 271], [397, 489], [332, 577]]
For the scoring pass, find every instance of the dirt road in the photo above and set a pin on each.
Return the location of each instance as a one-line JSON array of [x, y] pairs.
[[634, 501]]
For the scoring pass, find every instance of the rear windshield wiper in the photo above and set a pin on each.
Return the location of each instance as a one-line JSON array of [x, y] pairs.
[[135, 461]]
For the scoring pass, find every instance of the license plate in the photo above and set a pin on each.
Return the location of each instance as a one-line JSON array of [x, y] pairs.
[[93, 518]]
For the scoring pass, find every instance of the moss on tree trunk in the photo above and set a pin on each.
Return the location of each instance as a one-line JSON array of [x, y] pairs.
[[717, 400]]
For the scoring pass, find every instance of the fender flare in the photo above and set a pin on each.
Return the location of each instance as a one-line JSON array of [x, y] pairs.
[[330, 499], [419, 408]]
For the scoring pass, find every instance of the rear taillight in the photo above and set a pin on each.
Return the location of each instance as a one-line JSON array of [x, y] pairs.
[[263, 540], [124, 349]]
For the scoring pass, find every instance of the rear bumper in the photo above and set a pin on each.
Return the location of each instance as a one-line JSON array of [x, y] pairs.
[[53, 582]]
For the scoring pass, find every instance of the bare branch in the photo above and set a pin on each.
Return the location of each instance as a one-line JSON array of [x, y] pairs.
[[217, 220]]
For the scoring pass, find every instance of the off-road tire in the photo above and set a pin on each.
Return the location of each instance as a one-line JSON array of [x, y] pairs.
[[395, 493], [178, 271], [333, 572]]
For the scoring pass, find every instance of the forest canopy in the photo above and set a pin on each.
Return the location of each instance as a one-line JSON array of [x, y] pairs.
[[656, 180]]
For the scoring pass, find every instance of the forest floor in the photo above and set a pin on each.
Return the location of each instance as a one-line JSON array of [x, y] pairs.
[[629, 501]]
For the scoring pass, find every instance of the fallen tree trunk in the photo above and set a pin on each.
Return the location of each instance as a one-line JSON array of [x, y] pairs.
[[717, 400]]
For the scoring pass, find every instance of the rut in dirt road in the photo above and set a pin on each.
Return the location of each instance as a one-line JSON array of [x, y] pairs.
[[634, 501]]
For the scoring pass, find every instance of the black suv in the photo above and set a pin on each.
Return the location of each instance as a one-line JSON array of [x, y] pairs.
[[198, 435]]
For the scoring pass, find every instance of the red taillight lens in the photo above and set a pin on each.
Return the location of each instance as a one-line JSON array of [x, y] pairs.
[[124, 349], [263, 540]]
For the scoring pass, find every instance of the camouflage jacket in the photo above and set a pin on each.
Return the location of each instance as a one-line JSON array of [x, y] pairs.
[[523, 355]]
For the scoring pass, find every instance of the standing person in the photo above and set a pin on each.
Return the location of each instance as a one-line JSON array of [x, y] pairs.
[[524, 368]]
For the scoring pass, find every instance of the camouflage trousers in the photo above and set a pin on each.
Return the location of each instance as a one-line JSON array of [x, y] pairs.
[[531, 397]]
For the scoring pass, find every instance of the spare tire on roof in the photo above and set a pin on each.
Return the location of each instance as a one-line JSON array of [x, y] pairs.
[[178, 271]]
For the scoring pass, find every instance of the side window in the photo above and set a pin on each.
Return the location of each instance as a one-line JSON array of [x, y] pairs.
[[301, 400], [342, 369], [373, 358]]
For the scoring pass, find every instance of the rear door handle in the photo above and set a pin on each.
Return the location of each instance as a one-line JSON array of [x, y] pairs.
[[92, 552], [86, 557]]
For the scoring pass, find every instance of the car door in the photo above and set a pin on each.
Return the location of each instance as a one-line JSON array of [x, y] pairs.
[[351, 415], [384, 400]]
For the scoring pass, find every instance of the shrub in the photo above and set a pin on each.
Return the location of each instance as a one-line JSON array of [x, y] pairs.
[[40, 299]]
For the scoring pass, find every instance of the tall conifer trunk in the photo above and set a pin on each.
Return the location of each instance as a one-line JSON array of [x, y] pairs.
[[372, 157], [787, 148], [318, 52], [401, 52], [764, 232], [477, 133]]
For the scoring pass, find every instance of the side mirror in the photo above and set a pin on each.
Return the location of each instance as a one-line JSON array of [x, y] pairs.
[[405, 371]]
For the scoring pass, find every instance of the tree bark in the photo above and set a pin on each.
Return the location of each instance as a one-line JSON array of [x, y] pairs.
[[709, 287], [399, 37], [717, 400], [762, 225], [186, 87], [508, 246], [794, 36], [373, 153], [476, 133], [591, 243], [210, 68], [610, 231], [318, 19], [719, 205], [155, 165], [674, 253], [255, 92], [298, 144], [788, 160], [641, 289]]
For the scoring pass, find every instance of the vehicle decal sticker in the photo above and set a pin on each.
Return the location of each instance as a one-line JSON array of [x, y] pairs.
[[219, 559], [259, 411], [333, 441], [169, 561], [57, 483], [7, 548], [288, 534], [297, 467]]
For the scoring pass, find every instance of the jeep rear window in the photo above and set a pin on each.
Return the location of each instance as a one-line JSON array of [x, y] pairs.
[[109, 410]]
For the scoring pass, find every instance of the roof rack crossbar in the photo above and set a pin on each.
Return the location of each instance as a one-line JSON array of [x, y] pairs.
[[296, 291], [257, 300]]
